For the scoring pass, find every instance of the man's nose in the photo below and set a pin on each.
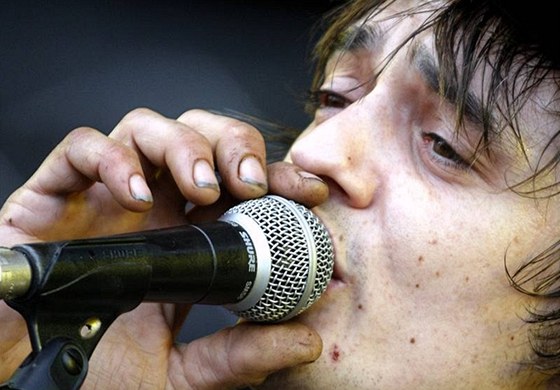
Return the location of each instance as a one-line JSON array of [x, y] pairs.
[[339, 151]]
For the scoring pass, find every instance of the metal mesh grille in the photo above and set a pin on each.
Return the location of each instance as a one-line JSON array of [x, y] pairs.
[[290, 248]]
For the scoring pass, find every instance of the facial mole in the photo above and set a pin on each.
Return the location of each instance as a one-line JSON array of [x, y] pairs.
[[421, 259], [360, 306], [335, 353], [467, 279], [417, 285], [412, 340]]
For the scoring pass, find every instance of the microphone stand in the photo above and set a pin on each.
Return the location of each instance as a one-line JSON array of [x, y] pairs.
[[65, 324]]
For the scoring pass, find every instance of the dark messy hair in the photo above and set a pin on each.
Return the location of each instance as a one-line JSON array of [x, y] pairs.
[[516, 44]]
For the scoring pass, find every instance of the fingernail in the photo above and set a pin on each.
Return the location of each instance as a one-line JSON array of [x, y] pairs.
[[139, 190], [252, 172], [204, 176], [307, 175]]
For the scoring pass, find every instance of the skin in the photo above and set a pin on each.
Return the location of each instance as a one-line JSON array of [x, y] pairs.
[[419, 297]]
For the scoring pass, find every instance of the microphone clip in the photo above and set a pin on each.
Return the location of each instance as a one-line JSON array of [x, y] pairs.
[[66, 323], [61, 365]]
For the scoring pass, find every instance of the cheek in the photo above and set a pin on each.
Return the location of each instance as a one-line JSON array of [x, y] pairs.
[[446, 247]]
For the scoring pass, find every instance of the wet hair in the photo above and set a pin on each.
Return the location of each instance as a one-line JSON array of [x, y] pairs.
[[517, 45]]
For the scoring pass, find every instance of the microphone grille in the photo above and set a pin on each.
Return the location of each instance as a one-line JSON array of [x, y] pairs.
[[301, 257]]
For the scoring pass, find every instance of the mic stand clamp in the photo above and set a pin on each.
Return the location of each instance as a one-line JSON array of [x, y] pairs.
[[66, 320], [61, 364]]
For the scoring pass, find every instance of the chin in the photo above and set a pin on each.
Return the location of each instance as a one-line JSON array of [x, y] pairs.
[[326, 317]]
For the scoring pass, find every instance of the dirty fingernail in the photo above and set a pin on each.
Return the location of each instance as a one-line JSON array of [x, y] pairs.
[[139, 190], [204, 176], [307, 175], [252, 172]]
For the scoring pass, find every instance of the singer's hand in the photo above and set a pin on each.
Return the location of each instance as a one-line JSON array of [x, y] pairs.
[[135, 355], [140, 177]]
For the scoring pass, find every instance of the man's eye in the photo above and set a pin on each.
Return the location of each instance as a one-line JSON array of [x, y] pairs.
[[328, 99], [442, 152]]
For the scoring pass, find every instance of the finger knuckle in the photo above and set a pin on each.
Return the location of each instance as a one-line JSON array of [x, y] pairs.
[[191, 114], [138, 113], [79, 134], [238, 129]]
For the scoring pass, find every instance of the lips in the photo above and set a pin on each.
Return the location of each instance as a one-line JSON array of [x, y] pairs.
[[337, 279]]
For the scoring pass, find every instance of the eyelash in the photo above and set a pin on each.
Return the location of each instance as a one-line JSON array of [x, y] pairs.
[[322, 98], [445, 154]]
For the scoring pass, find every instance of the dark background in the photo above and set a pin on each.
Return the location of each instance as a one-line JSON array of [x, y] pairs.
[[65, 64]]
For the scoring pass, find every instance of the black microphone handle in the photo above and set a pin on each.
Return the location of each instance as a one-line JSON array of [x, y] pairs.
[[208, 263], [77, 288]]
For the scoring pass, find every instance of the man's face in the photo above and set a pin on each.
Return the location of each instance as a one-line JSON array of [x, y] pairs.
[[420, 298]]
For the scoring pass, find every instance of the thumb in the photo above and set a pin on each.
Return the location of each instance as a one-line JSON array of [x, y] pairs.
[[243, 355]]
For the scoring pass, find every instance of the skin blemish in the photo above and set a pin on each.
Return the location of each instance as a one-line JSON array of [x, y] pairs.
[[467, 279], [417, 285], [412, 340], [360, 306], [335, 353], [421, 259], [438, 274], [433, 241]]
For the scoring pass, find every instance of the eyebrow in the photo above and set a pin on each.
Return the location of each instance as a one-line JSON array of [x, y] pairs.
[[368, 35], [426, 64], [364, 36]]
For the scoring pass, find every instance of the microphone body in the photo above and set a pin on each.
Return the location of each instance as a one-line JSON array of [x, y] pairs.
[[208, 263], [266, 260]]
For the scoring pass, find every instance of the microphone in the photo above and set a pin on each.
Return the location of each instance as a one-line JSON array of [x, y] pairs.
[[266, 260]]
